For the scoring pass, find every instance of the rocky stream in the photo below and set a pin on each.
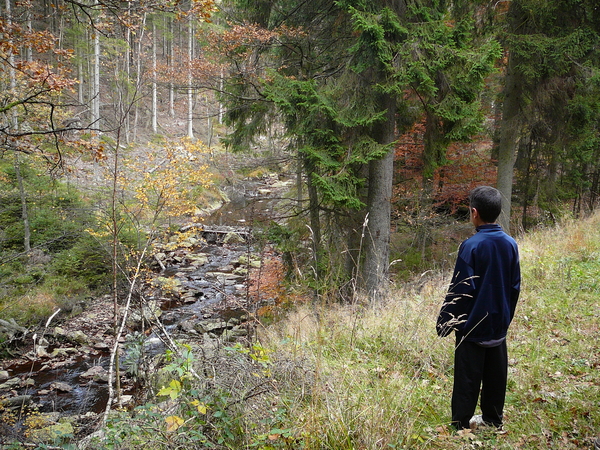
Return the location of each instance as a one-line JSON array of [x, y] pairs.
[[199, 290]]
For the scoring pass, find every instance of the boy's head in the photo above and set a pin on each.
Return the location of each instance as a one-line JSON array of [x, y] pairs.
[[487, 201]]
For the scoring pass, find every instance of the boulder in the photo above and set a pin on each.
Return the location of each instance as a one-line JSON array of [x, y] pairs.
[[61, 386], [10, 384], [241, 271], [101, 345], [95, 373], [52, 433], [233, 238], [148, 312], [78, 337], [10, 329], [15, 402], [253, 261], [187, 326], [234, 333], [198, 259], [210, 326], [189, 297], [63, 352]]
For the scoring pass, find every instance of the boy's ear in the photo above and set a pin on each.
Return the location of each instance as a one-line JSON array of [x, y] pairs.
[[475, 217]]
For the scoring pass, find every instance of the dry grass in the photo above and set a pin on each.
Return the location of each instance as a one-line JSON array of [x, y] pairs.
[[382, 378], [374, 376]]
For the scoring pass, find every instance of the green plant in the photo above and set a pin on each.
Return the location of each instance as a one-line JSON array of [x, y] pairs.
[[383, 378], [133, 362], [87, 260]]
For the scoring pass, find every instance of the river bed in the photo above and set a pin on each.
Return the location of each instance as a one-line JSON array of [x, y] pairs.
[[207, 275]]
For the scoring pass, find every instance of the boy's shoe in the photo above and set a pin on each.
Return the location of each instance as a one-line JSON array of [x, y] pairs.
[[597, 443], [477, 422]]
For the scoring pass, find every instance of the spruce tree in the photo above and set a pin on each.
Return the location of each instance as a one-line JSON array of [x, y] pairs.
[[550, 85], [342, 76]]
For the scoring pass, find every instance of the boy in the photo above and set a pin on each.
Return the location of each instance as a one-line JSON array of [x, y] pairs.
[[479, 307]]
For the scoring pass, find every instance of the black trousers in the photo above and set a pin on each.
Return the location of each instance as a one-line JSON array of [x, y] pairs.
[[478, 367]]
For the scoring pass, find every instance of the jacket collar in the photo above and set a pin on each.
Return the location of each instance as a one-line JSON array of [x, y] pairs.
[[489, 227]]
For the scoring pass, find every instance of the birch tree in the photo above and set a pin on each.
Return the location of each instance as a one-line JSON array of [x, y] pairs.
[[190, 88], [154, 86], [95, 86]]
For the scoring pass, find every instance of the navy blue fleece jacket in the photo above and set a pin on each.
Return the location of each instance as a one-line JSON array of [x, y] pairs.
[[482, 298]]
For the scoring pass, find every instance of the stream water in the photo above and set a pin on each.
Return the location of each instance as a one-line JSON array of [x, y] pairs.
[[74, 394], [246, 206], [63, 388]]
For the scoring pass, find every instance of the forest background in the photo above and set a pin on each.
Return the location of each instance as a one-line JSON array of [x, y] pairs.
[[121, 120]]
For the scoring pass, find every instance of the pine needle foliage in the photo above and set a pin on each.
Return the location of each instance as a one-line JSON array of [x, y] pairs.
[[343, 77]]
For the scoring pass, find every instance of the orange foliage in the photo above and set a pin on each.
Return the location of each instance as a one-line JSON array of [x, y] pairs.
[[240, 42], [409, 164], [468, 165], [266, 283], [200, 68], [241, 35], [200, 9], [267, 286]]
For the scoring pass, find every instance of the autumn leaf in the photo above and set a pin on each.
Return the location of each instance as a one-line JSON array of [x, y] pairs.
[[201, 407], [172, 390], [173, 423]]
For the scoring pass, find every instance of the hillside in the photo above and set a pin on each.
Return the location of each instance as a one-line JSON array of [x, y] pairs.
[[383, 378], [375, 376]]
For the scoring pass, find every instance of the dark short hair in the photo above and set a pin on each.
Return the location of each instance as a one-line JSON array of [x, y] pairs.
[[487, 201]]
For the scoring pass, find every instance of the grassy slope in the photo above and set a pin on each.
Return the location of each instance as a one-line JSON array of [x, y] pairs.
[[383, 377]]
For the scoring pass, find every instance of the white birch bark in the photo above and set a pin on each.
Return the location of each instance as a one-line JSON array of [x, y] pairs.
[[15, 126], [190, 118], [154, 93], [138, 77], [81, 82], [29, 30], [127, 62], [95, 119], [170, 54]]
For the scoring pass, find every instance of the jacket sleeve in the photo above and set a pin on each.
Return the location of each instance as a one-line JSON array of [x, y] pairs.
[[453, 313], [515, 288]]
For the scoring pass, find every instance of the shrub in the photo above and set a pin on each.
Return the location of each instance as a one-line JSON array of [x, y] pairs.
[[87, 260]]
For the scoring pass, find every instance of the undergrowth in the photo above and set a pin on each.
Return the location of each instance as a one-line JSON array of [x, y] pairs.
[[376, 376], [384, 379]]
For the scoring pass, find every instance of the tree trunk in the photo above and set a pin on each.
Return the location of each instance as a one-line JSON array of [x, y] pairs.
[[138, 76], [509, 134], [29, 30], [190, 118], [96, 83], [315, 222], [15, 127], [433, 149], [81, 79], [24, 210], [170, 63], [377, 236], [127, 62], [154, 93]]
